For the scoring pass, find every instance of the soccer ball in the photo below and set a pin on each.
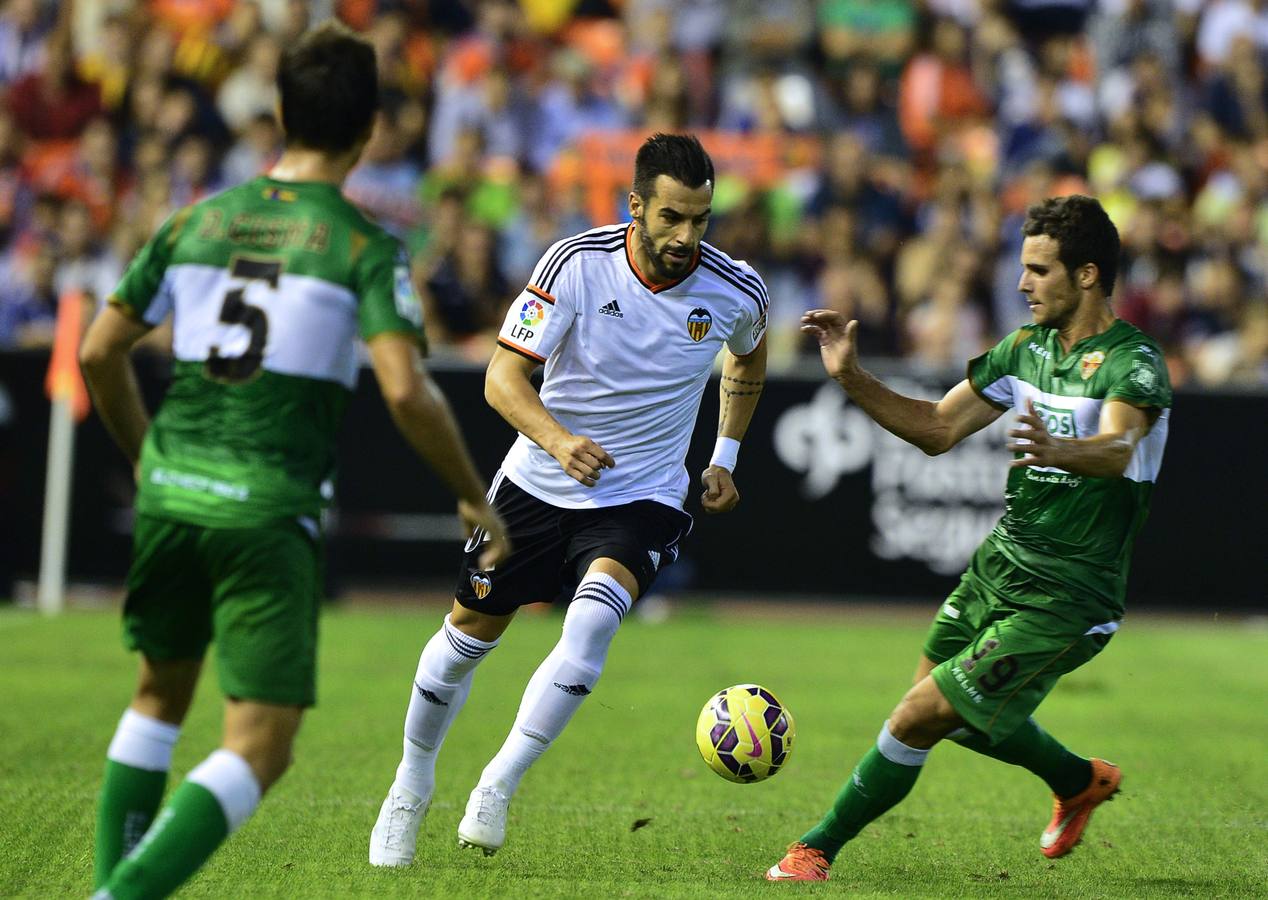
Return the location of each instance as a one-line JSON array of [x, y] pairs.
[[744, 733]]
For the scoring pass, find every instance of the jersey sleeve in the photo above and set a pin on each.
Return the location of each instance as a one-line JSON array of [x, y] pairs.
[[387, 299], [1139, 377], [988, 373], [751, 326], [140, 291], [538, 319]]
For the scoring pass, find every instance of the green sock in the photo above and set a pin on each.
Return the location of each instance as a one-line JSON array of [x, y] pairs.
[[129, 799], [185, 834], [876, 785], [1032, 748]]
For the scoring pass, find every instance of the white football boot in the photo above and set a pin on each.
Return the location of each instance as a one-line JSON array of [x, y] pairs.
[[484, 824], [395, 834]]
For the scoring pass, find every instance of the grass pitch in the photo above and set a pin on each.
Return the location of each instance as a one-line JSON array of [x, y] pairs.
[[1181, 706]]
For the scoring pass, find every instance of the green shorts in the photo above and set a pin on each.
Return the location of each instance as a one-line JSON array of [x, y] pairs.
[[254, 591], [998, 660]]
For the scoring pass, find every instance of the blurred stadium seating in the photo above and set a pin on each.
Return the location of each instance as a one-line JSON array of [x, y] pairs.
[[868, 149]]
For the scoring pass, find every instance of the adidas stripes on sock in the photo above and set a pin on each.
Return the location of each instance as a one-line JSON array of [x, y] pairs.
[[446, 668], [563, 680]]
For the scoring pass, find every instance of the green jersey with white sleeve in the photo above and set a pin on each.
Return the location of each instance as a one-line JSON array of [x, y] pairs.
[[1071, 535], [269, 285]]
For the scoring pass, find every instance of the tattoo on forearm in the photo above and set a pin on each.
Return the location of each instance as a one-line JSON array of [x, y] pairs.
[[737, 387]]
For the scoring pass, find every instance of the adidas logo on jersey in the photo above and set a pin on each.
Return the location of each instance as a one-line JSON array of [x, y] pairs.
[[613, 309]]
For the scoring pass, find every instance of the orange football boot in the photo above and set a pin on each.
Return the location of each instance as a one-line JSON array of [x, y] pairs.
[[1070, 816], [800, 863]]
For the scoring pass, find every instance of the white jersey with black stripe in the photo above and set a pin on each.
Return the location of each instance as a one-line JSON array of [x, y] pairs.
[[626, 361]]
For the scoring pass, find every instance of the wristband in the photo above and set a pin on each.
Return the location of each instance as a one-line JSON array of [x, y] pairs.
[[725, 453]]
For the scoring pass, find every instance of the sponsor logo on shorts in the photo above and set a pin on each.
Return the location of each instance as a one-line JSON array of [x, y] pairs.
[[428, 695], [699, 321], [577, 690], [481, 584], [965, 684]]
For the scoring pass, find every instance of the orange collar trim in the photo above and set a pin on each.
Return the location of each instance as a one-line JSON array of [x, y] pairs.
[[647, 283]]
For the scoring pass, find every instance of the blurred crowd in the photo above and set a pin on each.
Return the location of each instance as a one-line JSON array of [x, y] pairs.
[[909, 136]]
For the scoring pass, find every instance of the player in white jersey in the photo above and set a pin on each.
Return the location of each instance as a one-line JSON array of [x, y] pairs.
[[628, 320]]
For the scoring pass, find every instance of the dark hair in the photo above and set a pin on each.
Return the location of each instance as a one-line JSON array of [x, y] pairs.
[[680, 156], [329, 86], [1083, 232]]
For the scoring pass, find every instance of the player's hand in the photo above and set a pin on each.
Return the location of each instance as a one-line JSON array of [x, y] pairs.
[[482, 516], [582, 459], [719, 494], [838, 346], [1040, 447]]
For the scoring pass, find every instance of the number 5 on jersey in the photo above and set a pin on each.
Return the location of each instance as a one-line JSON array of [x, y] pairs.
[[236, 311]]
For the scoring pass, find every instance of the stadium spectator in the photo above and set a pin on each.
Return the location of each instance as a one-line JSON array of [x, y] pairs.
[[1156, 107], [465, 295], [83, 263], [28, 295], [251, 89], [258, 145], [53, 102], [385, 182], [24, 26]]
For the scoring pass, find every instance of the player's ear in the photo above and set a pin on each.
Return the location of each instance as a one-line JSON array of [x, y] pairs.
[[636, 205], [1088, 274]]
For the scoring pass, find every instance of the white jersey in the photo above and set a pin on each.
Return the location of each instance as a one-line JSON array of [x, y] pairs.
[[626, 361]]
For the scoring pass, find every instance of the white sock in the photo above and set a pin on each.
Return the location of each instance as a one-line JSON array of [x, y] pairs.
[[231, 781], [896, 751], [564, 679], [143, 742], [446, 668]]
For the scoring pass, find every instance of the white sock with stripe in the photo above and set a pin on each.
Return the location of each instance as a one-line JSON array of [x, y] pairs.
[[563, 680], [446, 668]]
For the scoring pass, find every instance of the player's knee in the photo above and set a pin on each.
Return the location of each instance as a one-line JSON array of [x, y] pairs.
[[589, 627], [923, 717], [165, 689]]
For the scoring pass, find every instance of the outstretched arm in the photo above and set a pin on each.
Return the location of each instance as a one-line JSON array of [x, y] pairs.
[[424, 418], [934, 427], [508, 390], [1104, 455], [105, 359]]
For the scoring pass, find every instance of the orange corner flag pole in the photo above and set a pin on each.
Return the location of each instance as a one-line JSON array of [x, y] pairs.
[[69, 396], [64, 380]]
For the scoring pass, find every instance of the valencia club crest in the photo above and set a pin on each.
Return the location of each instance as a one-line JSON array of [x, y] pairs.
[[698, 323]]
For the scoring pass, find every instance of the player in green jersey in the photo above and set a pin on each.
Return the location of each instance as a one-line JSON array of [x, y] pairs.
[[269, 284], [1043, 594]]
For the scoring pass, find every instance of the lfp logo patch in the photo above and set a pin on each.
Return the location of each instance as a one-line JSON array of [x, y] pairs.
[[699, 321], [531, 313]]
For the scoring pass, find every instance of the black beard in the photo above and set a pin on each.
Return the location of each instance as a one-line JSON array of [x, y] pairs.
[[650, 249]]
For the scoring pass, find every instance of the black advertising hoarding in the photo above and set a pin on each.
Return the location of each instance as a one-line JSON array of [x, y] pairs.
[[831, 505]]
